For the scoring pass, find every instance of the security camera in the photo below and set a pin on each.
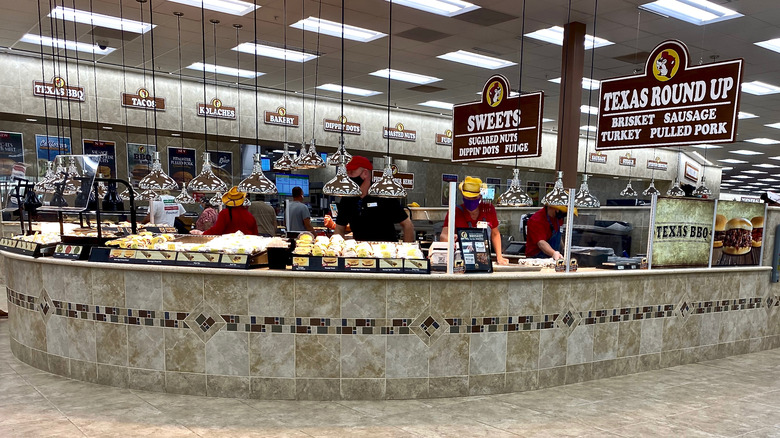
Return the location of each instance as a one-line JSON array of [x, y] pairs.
[[102, 44]]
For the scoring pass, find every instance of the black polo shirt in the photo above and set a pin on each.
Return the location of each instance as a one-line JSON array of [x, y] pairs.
[[371, 218]]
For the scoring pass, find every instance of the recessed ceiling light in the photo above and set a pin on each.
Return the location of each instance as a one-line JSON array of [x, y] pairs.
[[222, 70], [762, 141], [726, 168], [448, 8], [766, 166], [233, 7], [588, 84], [698, 12], [770, 180], [65, 44], [773, 125], [775, 158], [332, 28], [108, 128], [554, 35], [707, 146], [476, 60], [589, 128], [773, 44], [587, 109], [745, 152], [91, 18], [742, 177], [437, 104], [398, 75], [31, 120], [759, 88], [275, 52], [547, 120], [733, 161], [753, 172], [348, 90], [744, 115]]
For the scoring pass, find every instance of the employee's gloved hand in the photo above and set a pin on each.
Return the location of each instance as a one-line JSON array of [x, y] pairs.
[[196, 232], [557, 255]]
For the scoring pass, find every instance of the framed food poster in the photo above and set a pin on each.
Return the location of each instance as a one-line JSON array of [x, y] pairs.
[[222, 165], [11, 155], [107, 152], [181, 164], [474, 244], [139, 161], [739, 233]]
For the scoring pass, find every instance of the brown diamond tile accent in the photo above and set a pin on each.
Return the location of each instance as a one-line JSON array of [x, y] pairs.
[[429, 326], [568, 319], [685, 307], [204, 321], [44, 306]]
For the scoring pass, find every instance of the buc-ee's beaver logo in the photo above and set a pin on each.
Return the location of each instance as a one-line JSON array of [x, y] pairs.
[[495, 93], [216, 103], [666, 64], [143, 93]]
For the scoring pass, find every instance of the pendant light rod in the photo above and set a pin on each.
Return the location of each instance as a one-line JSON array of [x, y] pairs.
[[257, 107], [341, 116], [124, 76], [154, 75], [56, 70], [203, 47], [43, 78], [303, 77], [389, 68], [67, 76], [590, 89], [94, 79], [317, 70], [181, 88], [238, 28], [284, 23], [214, 22], [143, 66], [78, 77], [520, 67]]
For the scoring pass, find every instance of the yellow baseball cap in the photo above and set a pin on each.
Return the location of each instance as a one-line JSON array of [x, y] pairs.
[[470, 187]]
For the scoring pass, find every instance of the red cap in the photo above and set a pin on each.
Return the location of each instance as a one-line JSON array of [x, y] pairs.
[[358, 161]]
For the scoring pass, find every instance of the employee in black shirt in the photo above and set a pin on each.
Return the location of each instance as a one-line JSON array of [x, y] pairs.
[[371, 218]]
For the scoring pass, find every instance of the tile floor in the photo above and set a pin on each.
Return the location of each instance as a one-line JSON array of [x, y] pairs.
[[737, 396]]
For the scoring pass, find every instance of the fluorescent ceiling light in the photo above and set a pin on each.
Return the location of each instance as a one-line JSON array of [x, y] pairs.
[[589, 109], [770, 180], [701, 157], [766, 166], [275, 52], [773, 44], [746, 152], [476, 60], [775, 158], [707, 146], [64, 44], [547, 120], [332, 28], [233, 7], [348, 90], [744, 115], [437, 104], [31, 120], [698, 12], [91, 18], [733, 161], [398, 75], [588, 84], [448, 8], [763, 141], [726, 168], [742, 177], [773, 125], [222, 70], [759, 184], [754, 172], [759, 88], [554, 35], [589, 128]]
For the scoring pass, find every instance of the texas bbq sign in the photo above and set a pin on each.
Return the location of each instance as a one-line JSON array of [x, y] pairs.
[[671, 103]]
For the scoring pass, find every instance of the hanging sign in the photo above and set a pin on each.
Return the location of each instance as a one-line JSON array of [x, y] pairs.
[[11, 155], [691, 172], [143, 100], [58, 89], [107, 152], [671, 103], [181, 164], [216, 110], [444, 139], [657, 164], [598, 158], [139, 161], [627, 161], [683, 232], [281, 118], [498, 126], [404, 179], [48, 147], [222, 165], [399, 132], [335, 126]]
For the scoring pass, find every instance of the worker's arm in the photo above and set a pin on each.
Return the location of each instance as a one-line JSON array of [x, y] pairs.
[[495, 237], [408, 229], [307, 225], [341, 230], [547, 249], [445, 234]]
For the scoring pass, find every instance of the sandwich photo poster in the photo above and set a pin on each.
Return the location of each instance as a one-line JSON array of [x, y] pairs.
[[181, 164], [49, 146], [11, 155], [739, 233], [682, 232], [139, 161], [222, 164], [107, 152]]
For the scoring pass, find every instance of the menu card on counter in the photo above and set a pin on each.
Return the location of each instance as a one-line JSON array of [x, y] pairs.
[[475, 246]]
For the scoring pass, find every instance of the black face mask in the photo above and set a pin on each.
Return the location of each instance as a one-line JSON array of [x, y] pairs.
[[560, 215], [358, 180]]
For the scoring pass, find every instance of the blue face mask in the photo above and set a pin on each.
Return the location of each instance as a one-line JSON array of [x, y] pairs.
[[471, 204]]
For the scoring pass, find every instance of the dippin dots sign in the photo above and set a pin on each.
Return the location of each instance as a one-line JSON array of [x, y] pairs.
[[671, 103]]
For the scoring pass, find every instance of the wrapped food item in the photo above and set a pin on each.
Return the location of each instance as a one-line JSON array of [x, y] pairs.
[[42, 238], [363, 249], [409, 251]]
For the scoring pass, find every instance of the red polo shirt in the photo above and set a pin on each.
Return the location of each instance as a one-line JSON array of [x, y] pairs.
[[539, 228], [234, 219], [487, 213]]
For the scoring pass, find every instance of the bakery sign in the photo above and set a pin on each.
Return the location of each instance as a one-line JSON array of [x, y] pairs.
[[58, 89], [399, 132], [444, 139], [216, 109], [405, 179], [498, 125], [281, 117], [626, 160], [337, 125], [671, 103], [657, 164], [143, 100], [598, 158]]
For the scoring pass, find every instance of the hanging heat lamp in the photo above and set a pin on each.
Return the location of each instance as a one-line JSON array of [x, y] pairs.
[[157, 179], [558, 195], [257, 182], [72, 182], [207, 181], [44, 185], [515, 196], [216, 200], [583, 198], [702, 190], [629, 191], [675, 189], [300, 158], [285, 163], [184, 197], [313, 159], [651, 190]]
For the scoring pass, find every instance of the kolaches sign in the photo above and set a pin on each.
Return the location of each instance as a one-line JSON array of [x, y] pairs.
[[498, 126], [671, 103]]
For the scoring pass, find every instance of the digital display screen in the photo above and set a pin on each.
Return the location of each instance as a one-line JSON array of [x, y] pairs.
[[265, 164], [286, 181]]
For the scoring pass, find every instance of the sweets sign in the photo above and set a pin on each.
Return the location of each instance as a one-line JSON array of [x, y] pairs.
[[671, 103], [497, 126]]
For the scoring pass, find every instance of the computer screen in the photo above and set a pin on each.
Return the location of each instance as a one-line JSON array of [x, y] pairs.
[[265, 164], [286, 181]]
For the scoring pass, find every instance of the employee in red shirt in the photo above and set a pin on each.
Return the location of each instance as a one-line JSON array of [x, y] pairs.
[[544, 232], [475, 214], [234, 218]]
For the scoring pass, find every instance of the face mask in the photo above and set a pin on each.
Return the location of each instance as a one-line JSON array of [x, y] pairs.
[[358, 180], [560, 215], [471, 204]]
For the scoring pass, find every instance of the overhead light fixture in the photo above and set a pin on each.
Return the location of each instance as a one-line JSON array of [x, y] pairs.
[[769, 180], [759, 88], [325, 27], [707, 146], [554, 35], [698, 12], [65, 44], [753, 172], [348, 90], [223, 70], [515, 196], [773, 44], [589, 128], [437, 104], [651, 189], [476, 60], [773, 125], [733, 161], [232, 7], [766, 166], [744, 115], [587, 109], [675, 190], [257, 182], [558, 195], [584, 199], [743, 177], [108, 128], [93, 19], [447, 8], [31, 120], [760, 184], [547, 120], [746, 152], [726, 168], [629, 191], [701, 157], [764, 141], [175, 134], [398, 75], [275, 52], [588, 84]]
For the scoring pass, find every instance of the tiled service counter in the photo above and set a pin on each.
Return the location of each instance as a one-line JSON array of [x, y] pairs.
[[300, 335]]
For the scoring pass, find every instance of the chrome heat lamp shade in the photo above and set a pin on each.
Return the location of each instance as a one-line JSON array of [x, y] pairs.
[[676, 190], [286, 162], [515, 196], [651, 190], [557, 196], [300, 158], [312, 159], [341, 185], [157, 179], [629, 191], [184, 197], [216, 200], [386, 186], [207, 181], [257, 182], [583, 198], [72, 184], [341, 157], [702, 190], [44, 185]]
